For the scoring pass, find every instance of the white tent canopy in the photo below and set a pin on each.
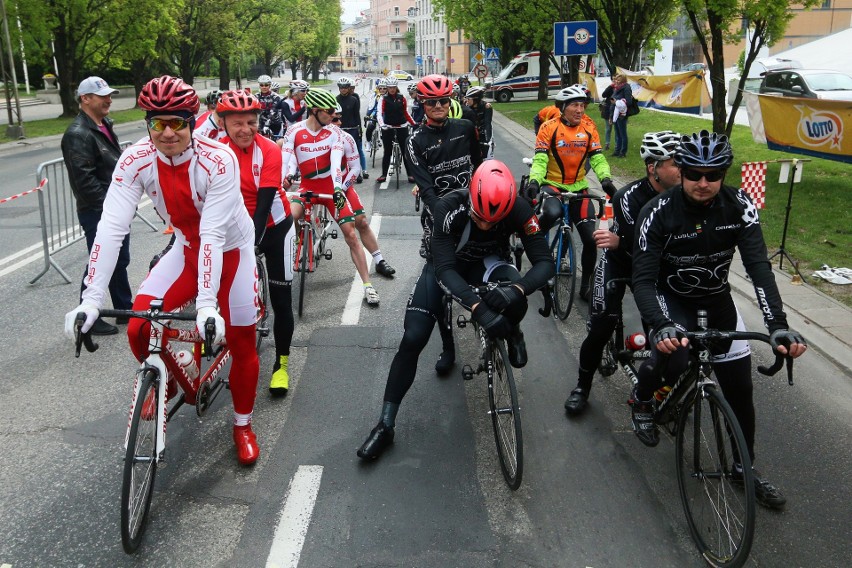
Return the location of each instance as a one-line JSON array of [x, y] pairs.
[[831, 52]]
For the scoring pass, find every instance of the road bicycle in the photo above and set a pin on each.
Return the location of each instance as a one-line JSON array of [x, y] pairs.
[[396, 160], [262, 325], [314, 228], [375, 140], [503, 404], [715, 479], [145, 441]]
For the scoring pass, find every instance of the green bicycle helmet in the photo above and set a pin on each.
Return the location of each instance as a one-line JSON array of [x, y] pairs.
[[319, 98], [455, 109]]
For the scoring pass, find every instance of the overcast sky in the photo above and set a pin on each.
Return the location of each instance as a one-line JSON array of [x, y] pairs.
[[351, 8]]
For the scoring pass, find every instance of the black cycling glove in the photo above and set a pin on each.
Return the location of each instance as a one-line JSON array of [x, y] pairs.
[[668, 331], [533, 189], [495, 325], [785, 337], [608, 187], [502, 297], [339, 199]]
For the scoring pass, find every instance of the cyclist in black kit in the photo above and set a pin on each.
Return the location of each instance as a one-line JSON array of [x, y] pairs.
[[483, 114], [685, 242], [350, 104], [443, 153], [270, 116], [394, 120], [470, 246], [657, 150]]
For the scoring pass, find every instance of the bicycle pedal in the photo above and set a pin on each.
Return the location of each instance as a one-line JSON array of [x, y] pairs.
[[334, 234], [327, 255], [467, 372], [461, 321]]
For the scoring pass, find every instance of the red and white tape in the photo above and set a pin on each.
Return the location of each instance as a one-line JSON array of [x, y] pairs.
[[40, 187]]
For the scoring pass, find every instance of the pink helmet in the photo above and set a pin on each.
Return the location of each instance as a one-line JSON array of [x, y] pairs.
[[492, 191], [434, 86], [168, 94]]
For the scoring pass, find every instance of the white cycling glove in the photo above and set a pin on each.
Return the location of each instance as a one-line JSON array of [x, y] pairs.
[[201, 319], [92, 312]]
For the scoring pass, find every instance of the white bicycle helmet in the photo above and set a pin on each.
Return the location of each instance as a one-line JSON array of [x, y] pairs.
[[659, 146], [572, 94], [391, 82], [264, 80], [475, 92], [297, 85], [344, 82]]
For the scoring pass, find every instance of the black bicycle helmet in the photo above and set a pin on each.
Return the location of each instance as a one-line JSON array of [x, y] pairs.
[[704, 150], [213, 96]]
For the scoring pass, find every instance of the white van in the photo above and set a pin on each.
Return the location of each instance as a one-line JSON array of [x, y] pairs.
[[519, 79]]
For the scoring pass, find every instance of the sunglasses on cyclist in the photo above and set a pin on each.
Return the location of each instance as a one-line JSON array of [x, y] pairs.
[[160, 124], [443, 101], [336, 119], [265, 84], [694, 175]]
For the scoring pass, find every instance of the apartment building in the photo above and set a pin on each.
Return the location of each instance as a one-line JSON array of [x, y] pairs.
[[390, 22]]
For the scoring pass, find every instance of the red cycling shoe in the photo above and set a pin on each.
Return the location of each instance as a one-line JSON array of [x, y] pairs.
[[246, 442]]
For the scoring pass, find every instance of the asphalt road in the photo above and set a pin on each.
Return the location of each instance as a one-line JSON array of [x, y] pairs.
[[592, 495]]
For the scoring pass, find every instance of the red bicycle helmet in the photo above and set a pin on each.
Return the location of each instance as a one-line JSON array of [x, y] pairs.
[[434, 86], [492, 191], [168, 94], [237, 101]]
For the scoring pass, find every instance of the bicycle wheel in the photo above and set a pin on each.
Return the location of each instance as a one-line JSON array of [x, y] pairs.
[[505, 415], [140, 467], [720, 515], [608, 364], [262, 325], [374, 146], [305, 250], [397, 162], [566, 274]]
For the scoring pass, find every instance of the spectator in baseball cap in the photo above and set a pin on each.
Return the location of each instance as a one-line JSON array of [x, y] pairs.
[[95, 86]]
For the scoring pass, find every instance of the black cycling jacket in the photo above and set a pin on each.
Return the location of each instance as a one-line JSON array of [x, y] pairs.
[[686, 249], [443, 158], [626, 205], [451, 222], [483, 114], [351, 115]]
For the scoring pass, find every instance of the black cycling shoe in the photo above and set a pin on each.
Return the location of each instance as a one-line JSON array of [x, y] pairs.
[[379, 439], [101, 327], [642, 415], [445, 363], [360, 179], [577, 401], [767, 494], [365, 175], [385, 269], [517, 348]]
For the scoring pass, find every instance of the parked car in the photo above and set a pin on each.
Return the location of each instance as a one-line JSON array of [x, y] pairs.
[[807, 83], [402, 75]]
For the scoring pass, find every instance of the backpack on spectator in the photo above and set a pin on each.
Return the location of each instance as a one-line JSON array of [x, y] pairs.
[[633, 107]]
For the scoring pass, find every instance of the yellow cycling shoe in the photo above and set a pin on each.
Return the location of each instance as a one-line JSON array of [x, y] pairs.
[[280, 382]]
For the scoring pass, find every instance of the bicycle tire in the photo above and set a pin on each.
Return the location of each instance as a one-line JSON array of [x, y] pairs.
[[262, 325], [374, 147], [721, 517], [305, 250], [608, 365], [505, 415], [397, 162], [565, 279], [137, 486]]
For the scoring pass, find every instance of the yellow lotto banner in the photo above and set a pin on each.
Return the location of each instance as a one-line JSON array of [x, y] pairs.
[[680, 92], [588, 81], [815, 127]]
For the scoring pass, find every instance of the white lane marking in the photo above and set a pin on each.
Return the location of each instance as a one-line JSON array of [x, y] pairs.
[[40, 255], [352, 311], [295, 518]]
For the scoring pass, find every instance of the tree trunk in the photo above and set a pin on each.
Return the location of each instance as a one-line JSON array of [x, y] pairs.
[[224, 73], [544, 73], [67, 69]]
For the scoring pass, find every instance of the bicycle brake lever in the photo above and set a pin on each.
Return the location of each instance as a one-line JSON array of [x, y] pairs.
[[81, 338], [209, 334], [789, 369]]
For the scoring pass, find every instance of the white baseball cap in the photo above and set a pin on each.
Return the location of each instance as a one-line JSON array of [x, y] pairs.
[[95, 86]]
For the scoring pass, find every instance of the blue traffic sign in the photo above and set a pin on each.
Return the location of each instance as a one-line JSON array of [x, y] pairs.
[[575, 38], [492, 53], [418, 60]]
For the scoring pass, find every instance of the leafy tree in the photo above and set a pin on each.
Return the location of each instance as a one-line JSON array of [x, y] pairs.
[[717, 22]]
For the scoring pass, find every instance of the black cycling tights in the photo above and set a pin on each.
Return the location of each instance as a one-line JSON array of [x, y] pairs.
[[275, 248], [551, 211], [388, 135]]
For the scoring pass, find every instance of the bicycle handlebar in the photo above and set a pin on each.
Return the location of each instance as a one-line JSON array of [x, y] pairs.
[[716, 335], [309, 195]]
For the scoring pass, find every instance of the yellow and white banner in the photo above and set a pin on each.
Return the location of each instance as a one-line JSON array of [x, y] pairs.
[[814, 127], [680, 92], [588, 81]]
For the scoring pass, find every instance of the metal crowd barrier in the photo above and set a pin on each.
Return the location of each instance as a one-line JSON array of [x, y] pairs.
[[57, 208]]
